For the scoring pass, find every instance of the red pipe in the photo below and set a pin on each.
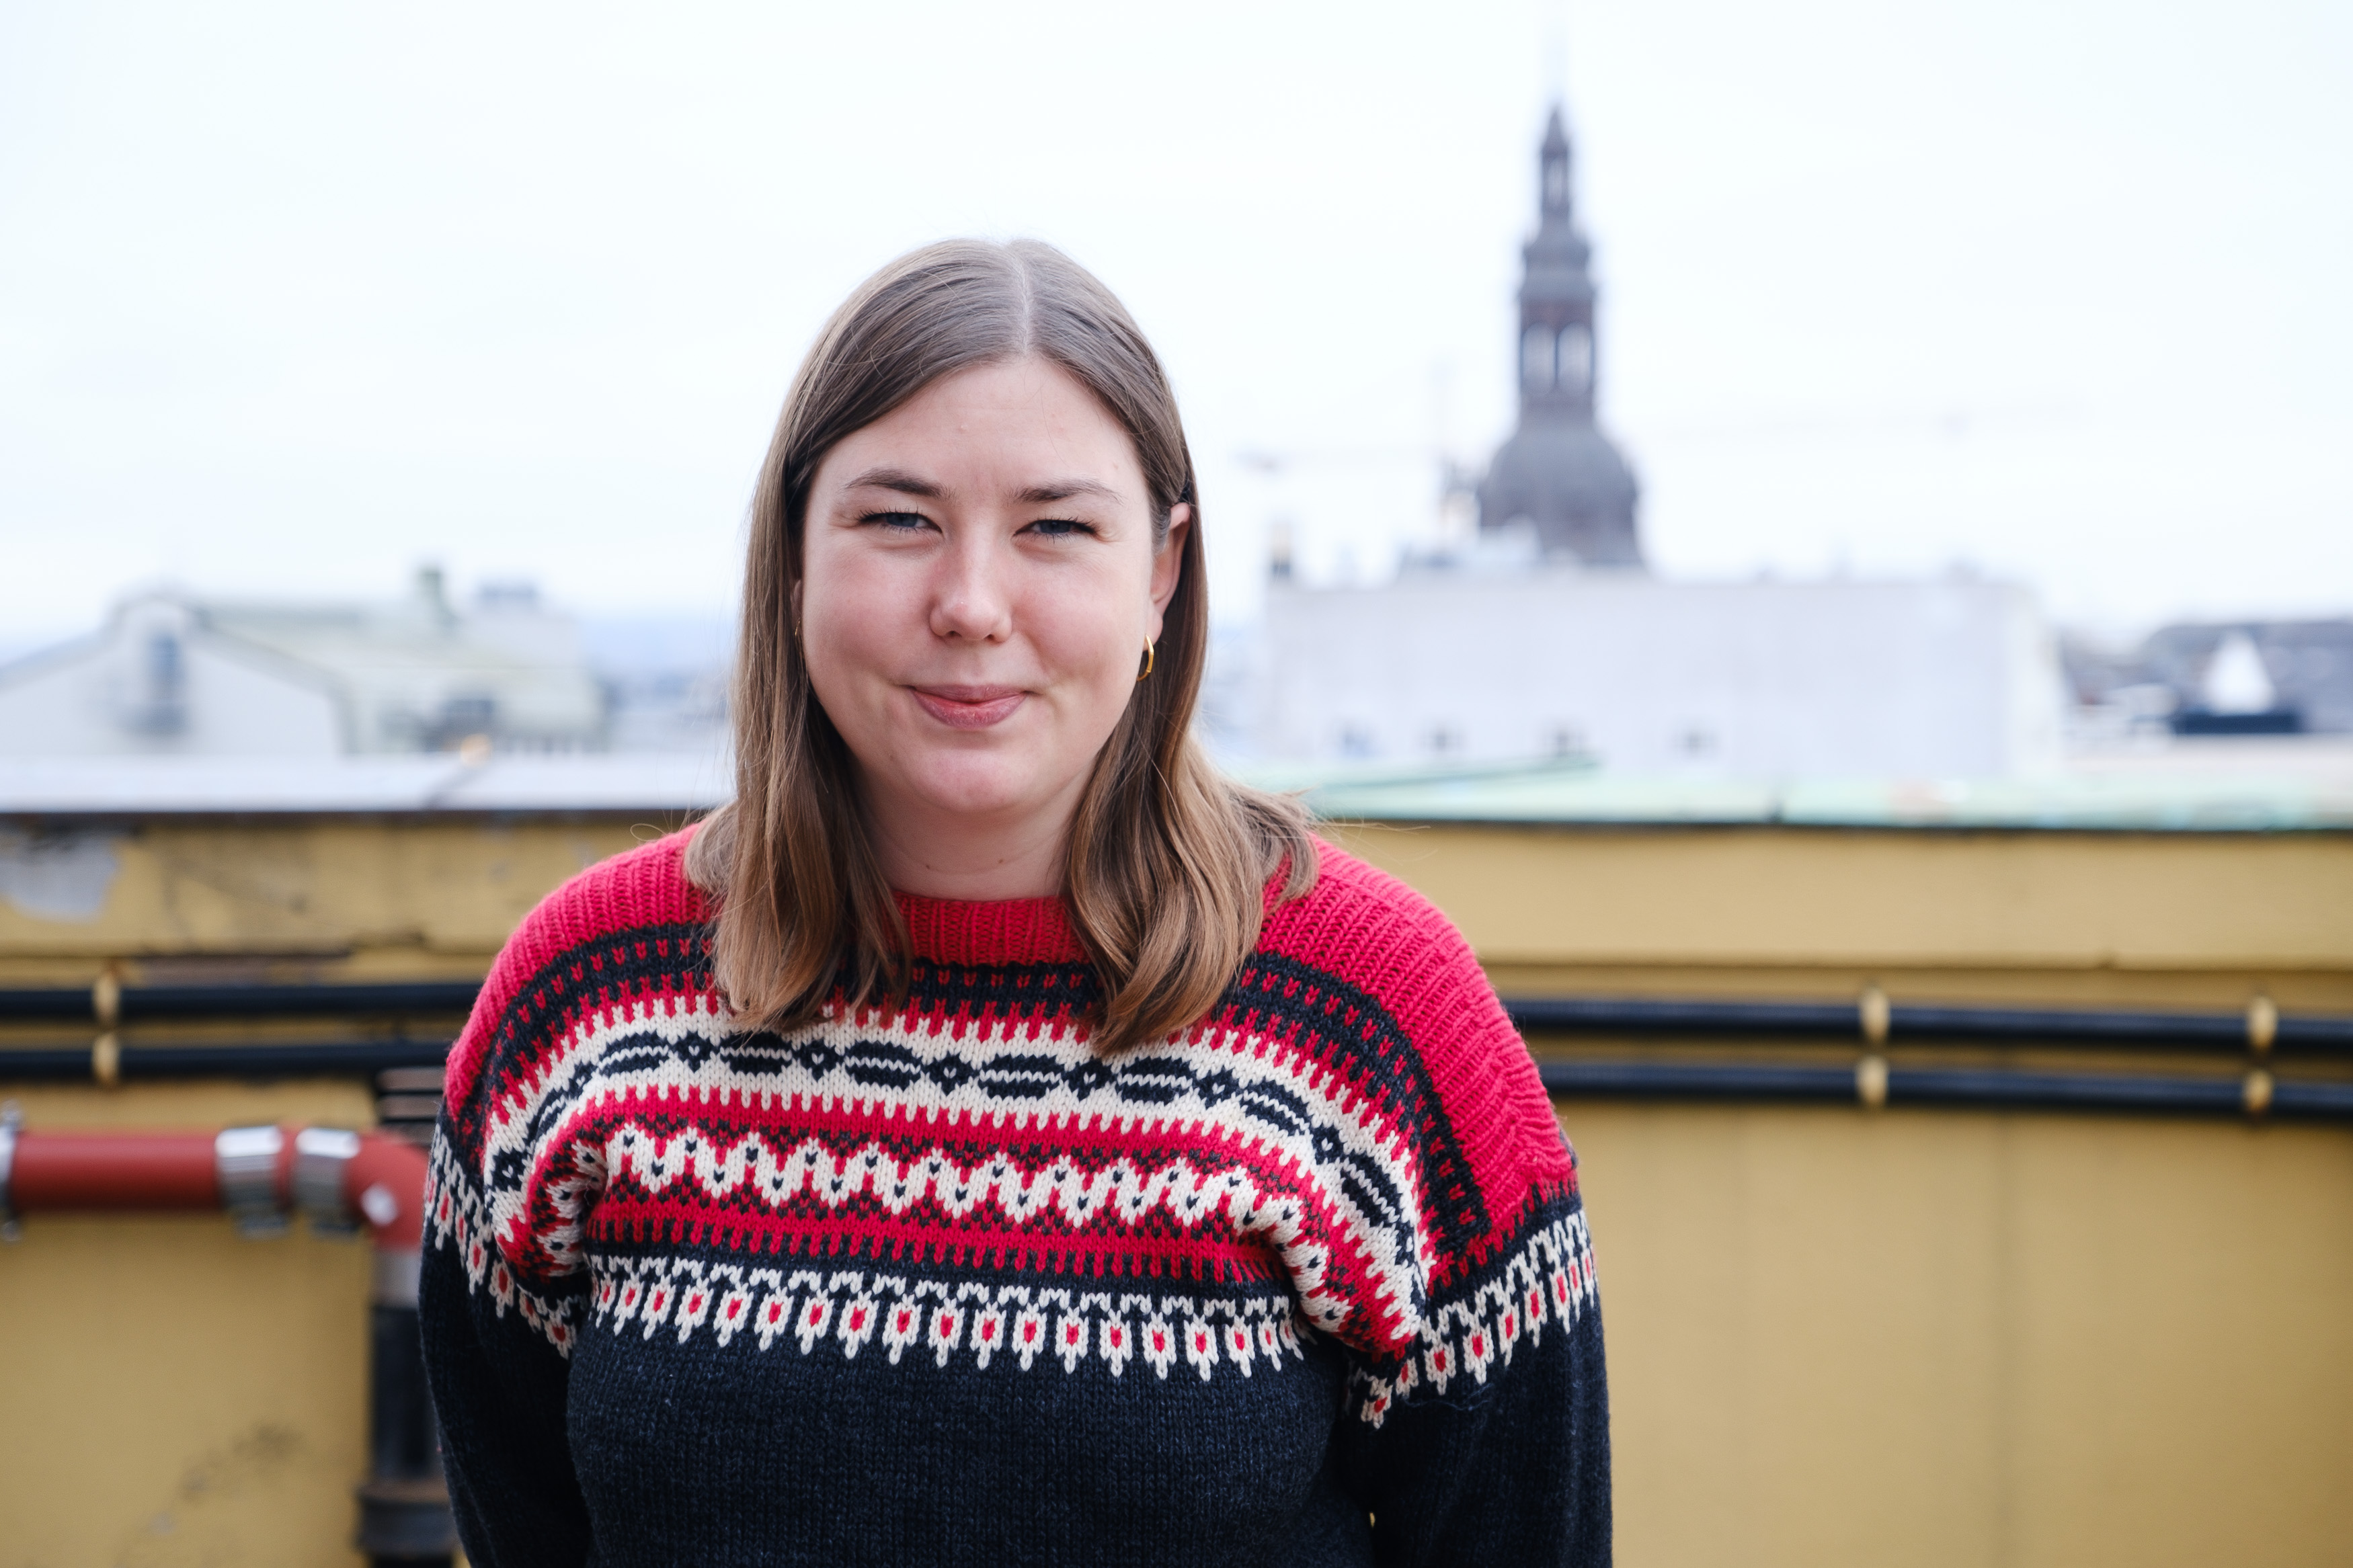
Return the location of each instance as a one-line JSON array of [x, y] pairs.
[[383, 1181], [387, 1171], [113, 1171]]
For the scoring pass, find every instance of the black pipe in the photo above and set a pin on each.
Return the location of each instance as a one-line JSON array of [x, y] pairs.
[[1739, 1080], [2320, 1034], [405, 1515], [1981, 1090], [1955, 1087], [2070, 1026], [356, 1058], [1572, 1015], [149, 1002], [2227, 1030], [1646, 1016]]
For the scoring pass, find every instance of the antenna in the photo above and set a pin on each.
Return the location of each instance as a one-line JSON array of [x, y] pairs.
[[1556, 50], [1441, 407]]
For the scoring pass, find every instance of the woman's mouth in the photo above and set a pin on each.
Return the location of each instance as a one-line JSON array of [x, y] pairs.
[[969, 707]]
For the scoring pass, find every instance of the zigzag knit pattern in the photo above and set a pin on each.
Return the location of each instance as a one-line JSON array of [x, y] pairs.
[[1324, 1246]]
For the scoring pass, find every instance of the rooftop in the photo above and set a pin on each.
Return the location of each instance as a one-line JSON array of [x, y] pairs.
[[2154, 799], [2277, 790]]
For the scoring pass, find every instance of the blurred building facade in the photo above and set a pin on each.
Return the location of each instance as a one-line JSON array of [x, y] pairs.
[[174, 675], [665, 679], [1935, 680], [2217, 678]]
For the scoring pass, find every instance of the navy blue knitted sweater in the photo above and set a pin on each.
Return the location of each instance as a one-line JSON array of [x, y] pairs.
[[1307, 1283]]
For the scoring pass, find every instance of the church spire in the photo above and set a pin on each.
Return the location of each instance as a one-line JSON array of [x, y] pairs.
[[1552, 185], [1558, 473], [1557, 294]]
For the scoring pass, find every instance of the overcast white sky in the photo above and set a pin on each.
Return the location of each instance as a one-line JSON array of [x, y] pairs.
[[295, 296]]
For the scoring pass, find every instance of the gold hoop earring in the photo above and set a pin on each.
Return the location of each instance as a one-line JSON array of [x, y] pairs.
[[1145, 672]]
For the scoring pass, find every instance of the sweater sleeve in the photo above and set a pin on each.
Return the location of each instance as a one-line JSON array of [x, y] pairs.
[[504, 1287], [1477, 1427], [1491, 1444], [498, 1390]]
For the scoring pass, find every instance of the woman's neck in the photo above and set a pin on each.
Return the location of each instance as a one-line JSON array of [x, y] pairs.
[[936, 854]]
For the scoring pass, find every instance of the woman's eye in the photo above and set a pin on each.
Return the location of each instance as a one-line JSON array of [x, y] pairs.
[[1059, 527], [897, 520]]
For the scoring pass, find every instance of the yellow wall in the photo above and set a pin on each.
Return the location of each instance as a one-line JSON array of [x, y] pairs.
[[1968, 1340], [1836, 1336], [174, 1393], [327, 899], [2089, 918]]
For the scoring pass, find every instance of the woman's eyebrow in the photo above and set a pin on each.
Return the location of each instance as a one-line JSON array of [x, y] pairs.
[[898, 479], [1063, 489]]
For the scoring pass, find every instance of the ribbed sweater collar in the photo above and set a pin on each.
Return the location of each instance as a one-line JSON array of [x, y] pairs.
[[1007, 931]]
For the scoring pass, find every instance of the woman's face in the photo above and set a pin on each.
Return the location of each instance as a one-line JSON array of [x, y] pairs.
[[978, 583]]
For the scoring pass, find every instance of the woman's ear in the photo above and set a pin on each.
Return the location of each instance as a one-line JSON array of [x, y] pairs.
[[1168, 561]]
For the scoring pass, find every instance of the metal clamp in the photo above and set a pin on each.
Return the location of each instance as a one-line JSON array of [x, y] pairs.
[[2257, 1090], [245, 1159], [406, 1519], [395, 1276], [1871, 1082], [106, 1011], [2263, 1025], [1872, 1016], [12, 1117], [321, 1155]]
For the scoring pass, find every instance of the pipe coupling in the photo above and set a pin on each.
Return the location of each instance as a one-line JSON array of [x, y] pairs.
[[320, 1156], [244, 1160], [395, 1276], [406, 1519], [11, 1118]]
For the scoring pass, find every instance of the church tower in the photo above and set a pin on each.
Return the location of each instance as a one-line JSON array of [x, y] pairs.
[[1558, 472]]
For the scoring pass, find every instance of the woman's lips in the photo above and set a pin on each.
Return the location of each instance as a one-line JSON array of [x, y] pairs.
[[969, 707]]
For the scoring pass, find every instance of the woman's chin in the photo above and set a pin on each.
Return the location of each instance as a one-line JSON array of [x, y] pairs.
[[981, 793]]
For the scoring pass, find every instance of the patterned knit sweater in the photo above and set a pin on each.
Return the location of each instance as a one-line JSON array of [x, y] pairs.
[[1307, 1283]]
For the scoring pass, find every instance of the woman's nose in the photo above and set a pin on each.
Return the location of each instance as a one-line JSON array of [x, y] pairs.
[[972, 599]]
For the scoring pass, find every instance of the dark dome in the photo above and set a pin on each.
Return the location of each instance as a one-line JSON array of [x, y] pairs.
[[1567, 478]]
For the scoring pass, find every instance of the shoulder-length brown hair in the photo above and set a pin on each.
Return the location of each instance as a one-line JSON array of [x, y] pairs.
[[1167, 862]]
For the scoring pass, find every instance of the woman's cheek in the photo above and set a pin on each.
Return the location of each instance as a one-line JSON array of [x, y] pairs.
[[1096, 622], [864, 626], [1099, 664]]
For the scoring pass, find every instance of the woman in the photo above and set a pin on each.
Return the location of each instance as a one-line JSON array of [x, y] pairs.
[[995, 1138]]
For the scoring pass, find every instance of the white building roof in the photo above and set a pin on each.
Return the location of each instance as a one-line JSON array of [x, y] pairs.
[[169, 675], [242, 786]]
